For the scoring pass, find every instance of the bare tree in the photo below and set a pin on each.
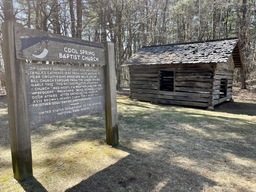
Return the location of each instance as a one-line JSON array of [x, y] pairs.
[[79, 15], [72, 17], [8, 10]]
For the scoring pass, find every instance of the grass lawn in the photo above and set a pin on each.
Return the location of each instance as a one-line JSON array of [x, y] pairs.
[[162, 148]]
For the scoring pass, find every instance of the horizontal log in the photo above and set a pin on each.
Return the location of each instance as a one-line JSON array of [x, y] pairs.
[[204, 95], [150, 91], [193, 80], [224, 73], [169, 93], [193, 84], [198, 66], [135, 75], [178, 72], [194, 69], [217, 83], [216, 97], [192, 89], [141, 82], [230, 77], [223, 100], [220, 100], [150, 67], [154, 94], [146, 83], [173, 66], [217, 91], [225, 69], [153, 99], [217, 86], [148, 87], [143, 71], [183, 103], [144, 78], [173, 95], [195, 74]]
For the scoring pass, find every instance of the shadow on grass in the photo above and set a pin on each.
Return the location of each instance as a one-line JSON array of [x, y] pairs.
[[170, 121], [201, 138], [140, 172], [237, 108], [204, 144], [136, 103], [214, 131], [87, 128], [32, 185]]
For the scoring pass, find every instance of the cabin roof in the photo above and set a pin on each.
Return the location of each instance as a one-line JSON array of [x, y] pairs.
[[217, 51]]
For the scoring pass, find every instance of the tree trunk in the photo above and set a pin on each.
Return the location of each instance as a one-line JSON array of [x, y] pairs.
[[163, 30], [119, 10], [29, 13], [244, 39], [214, 20], [56, 21], [8, 10], [72, 17], [37, 11], [79, 12]]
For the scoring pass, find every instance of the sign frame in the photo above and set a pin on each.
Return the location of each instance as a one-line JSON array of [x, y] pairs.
[[16, 54]]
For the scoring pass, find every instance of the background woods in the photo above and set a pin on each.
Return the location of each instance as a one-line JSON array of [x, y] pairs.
[[130, 24]]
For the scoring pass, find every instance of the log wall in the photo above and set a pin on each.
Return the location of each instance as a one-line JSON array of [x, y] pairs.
[[223, 71], [193, 84]]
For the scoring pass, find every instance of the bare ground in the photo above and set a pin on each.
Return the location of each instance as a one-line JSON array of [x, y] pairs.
[[162, 148]]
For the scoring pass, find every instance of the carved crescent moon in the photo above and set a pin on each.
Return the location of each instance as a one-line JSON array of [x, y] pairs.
[[41, 55]]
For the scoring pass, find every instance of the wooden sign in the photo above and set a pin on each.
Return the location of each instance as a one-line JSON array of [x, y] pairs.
[[39, 45], [45, 93]]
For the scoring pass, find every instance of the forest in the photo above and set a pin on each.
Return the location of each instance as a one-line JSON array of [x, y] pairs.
[[131, 24]]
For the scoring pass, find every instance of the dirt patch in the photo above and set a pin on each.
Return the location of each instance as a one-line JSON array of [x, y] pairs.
[[243, 95], [162, 148]]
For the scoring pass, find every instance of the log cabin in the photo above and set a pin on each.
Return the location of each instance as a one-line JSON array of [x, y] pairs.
[[196, 74]]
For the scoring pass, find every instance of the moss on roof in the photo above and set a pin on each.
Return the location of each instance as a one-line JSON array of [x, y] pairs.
[[199, 52]]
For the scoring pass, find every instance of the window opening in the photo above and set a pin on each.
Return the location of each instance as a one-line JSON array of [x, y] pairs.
[[223, 88], [166, 80]]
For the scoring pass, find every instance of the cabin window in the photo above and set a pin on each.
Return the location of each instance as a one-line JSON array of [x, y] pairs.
[[223, 88], [166, 80]]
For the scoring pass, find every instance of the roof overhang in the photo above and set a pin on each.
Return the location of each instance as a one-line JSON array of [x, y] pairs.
[[209, 52]]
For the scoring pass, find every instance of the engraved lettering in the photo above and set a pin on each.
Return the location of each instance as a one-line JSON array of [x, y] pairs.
[[60, 92]]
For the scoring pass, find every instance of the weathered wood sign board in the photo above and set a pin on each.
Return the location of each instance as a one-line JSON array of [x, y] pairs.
[[58, 92], [39, 45], [79, 79]]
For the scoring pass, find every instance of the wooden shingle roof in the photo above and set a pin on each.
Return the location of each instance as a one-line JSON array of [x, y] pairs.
[[199, 52]]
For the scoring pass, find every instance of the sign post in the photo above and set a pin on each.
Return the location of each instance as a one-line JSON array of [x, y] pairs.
[[110, 97], [19, 129], [79, 81]]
